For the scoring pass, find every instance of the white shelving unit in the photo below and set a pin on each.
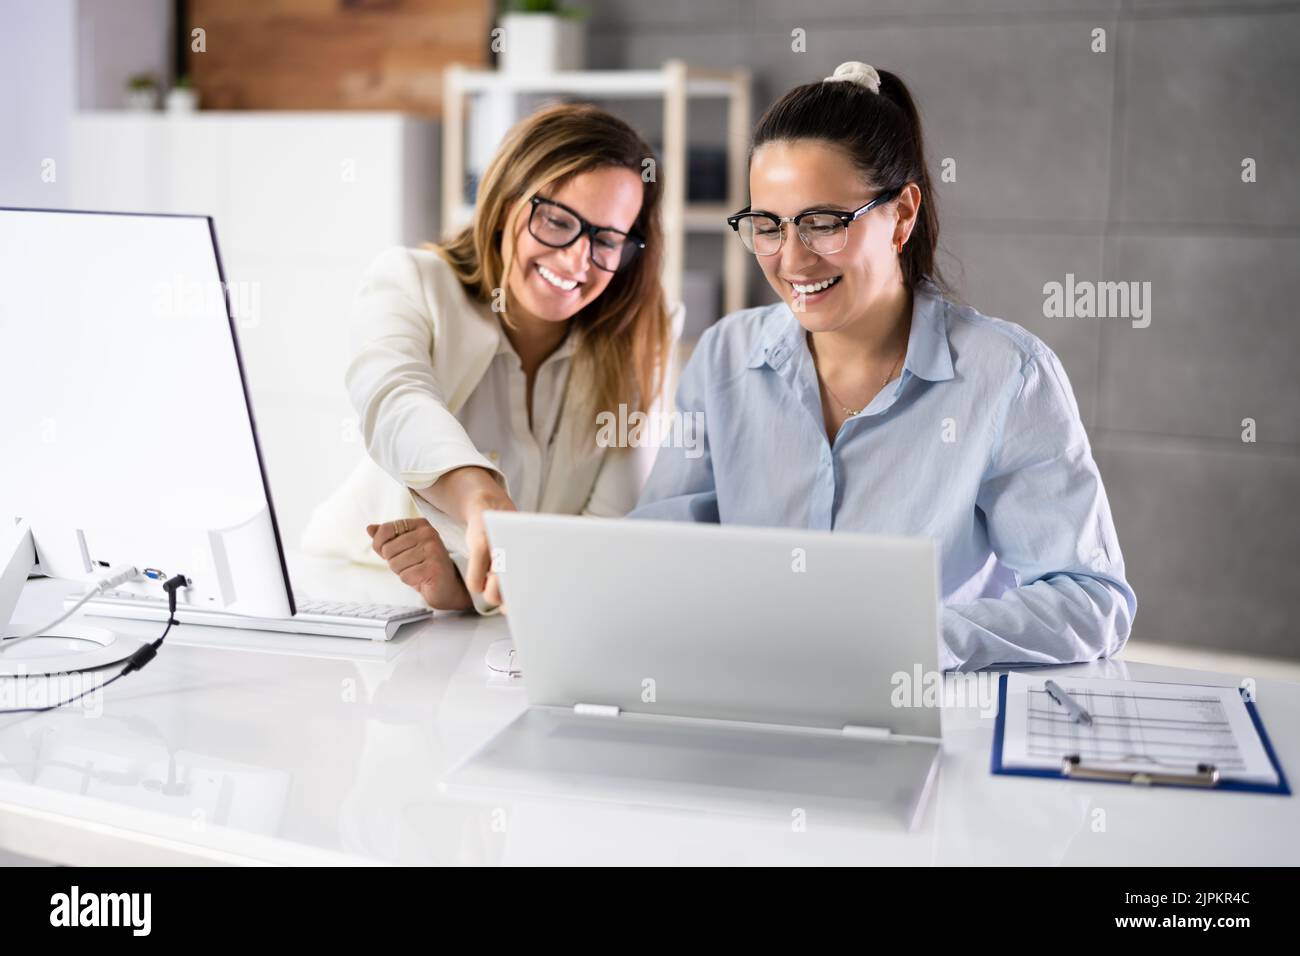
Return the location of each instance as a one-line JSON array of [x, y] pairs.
[[676, 83]]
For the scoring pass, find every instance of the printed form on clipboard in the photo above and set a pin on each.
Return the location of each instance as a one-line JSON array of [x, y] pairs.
[[1141, 732]]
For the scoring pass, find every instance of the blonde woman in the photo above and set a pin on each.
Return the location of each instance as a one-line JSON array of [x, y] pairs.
[[480, 365]]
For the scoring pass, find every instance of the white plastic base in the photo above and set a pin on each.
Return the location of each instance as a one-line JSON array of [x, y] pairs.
[[70, 647]]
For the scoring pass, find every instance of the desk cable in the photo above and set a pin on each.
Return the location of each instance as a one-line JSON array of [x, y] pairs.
[[142, 656]]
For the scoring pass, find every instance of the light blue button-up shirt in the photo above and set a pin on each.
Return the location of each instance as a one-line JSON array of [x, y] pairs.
[[978, 445]]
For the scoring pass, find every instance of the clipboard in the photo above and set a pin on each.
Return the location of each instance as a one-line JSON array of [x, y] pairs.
[[1205, 781]]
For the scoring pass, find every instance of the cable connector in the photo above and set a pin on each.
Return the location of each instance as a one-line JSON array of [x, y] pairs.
[[142, 656], [148, 652], [107, 584], [170, 586]]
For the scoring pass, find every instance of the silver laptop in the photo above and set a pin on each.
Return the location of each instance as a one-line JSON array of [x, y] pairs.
[[738, 669]]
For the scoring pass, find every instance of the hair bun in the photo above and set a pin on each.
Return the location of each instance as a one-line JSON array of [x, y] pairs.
[[855, 72]]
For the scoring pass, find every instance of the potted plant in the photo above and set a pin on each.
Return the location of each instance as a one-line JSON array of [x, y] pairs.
[[182, 98], [142, 92], [540, 36]]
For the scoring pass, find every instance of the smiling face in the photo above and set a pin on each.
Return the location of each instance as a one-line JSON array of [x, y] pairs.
[[828, 292], [553, 285]]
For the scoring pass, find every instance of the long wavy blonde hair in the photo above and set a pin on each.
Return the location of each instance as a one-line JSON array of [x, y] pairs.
[[625, 337]]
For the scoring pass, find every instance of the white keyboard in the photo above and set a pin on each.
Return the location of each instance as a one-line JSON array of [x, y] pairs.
[[376, 622]]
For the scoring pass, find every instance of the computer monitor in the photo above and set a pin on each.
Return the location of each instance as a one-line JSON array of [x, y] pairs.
[[126, 428]]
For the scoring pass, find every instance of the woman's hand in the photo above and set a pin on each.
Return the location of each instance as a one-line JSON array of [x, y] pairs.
[[415, 553], [465, 494], [480, 575]]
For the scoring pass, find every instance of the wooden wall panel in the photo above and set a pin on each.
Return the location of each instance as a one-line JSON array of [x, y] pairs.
[[334, 54]]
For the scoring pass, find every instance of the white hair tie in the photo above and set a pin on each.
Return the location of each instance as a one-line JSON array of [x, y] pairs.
[[855, 72]]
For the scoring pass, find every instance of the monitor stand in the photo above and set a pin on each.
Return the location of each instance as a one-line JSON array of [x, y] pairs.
[[71, 646]]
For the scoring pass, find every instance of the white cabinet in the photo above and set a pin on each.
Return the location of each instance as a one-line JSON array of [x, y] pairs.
[[302, 203]]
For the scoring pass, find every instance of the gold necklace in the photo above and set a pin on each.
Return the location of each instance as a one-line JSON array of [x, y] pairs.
[[850, 412]]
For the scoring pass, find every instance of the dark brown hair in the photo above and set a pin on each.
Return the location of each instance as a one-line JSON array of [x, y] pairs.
[[881, 133]]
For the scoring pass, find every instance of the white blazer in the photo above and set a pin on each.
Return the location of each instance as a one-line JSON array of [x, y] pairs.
[[421, 346]]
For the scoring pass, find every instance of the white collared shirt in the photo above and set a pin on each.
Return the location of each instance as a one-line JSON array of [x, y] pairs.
[[495, 416]]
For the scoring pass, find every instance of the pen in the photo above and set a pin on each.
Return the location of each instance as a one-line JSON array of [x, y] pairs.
[[1077, 713]]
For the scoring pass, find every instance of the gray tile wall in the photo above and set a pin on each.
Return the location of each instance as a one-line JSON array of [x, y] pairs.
[[1123, 165]]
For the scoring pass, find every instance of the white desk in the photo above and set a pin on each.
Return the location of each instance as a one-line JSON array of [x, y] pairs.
[[246, 747]]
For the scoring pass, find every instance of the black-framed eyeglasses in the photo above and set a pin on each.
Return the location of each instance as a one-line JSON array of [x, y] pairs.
[[556, 225], [823, 231]]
